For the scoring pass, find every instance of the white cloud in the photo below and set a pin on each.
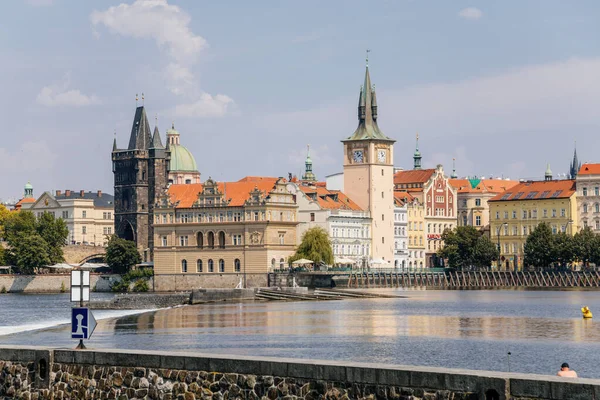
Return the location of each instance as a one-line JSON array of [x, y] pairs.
[[168, 25], [57, 95], [470, 13], [206, 106]]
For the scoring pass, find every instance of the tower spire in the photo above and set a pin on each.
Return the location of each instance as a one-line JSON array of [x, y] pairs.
[[115, 141], [308, 172], [453, 176], [548, 174], [575, 164], [417, 156]]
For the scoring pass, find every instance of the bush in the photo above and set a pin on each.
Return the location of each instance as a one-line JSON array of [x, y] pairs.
[[3, 290], [62, 287], [141, 285]]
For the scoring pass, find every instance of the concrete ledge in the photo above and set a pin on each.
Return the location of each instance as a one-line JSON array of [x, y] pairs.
[[507, 385]]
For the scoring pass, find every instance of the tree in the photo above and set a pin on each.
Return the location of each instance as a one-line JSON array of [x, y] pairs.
[[539, 247], [28, 253], [585, 243], [315, 246], [459, 246], [563, 249], [2, 255], [4, 214], [55, 233], [485, 252], [121, 254], [19, 224]]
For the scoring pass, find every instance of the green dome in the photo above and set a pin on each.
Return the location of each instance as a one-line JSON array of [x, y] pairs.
[[28, 186], [181, 159]]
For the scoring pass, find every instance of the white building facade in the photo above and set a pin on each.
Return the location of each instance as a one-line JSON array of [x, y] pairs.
[[89, 215], [588, 196], [400, 235]]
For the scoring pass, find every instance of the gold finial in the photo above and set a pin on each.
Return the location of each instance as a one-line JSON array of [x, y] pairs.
[[367, 59], [142, 98], [136, 99]]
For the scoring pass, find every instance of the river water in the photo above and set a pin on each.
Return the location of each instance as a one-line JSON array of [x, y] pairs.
[[455, 329]]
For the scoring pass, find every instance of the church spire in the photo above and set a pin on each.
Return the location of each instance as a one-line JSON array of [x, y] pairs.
[[140, 138], [156, 141], [548, 173], [575, 164], [417, 156], [367, 112], [308, 173], [454, 176]]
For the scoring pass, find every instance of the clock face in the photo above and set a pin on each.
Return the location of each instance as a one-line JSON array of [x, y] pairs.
[[381, 156], [357, 156]]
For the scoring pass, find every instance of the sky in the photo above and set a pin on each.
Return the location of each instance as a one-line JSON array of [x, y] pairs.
[[503, 87]]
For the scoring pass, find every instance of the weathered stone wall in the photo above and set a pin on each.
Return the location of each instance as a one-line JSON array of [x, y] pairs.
[[141, 301], [191, 281], [75, 254], [39, 373], [52, 283]]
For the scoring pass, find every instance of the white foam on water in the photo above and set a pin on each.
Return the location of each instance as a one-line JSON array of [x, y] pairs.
[[98, 315]]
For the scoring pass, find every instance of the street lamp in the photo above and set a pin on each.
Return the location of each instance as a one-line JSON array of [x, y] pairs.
[[499, 229]]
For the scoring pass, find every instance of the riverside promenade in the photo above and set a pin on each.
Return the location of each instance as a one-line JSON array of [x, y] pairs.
[[44, 373]]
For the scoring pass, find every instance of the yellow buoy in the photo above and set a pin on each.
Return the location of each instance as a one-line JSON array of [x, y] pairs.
[[586, 312]]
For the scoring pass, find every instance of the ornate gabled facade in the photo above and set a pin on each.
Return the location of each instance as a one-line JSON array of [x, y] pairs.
[[140, 174], [369, 172], [228, 230]]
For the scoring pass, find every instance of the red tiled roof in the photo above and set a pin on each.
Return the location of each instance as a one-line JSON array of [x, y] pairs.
[[484, 185], [238, 192], [589, 169], [403, 197], [538, 190], [413, 176], [330, 199]]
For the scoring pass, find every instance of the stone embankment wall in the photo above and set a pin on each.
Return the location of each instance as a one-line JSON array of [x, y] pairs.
[[141, 301], [191, 281], [75, 254], [42, 373], [53, 283]]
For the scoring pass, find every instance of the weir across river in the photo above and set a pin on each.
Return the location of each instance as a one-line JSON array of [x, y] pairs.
[[475, 279]]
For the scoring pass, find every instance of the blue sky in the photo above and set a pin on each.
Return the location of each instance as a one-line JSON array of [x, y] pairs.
[[504, 87]]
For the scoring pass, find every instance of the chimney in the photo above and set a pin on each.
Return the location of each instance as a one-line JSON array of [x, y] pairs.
[[82, 193], [99, 193], [67, 193], [58, 192]]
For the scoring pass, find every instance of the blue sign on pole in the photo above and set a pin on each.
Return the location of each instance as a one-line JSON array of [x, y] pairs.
[[83, 323]]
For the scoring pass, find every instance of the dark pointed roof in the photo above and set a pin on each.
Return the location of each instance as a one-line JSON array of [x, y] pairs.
[[115, 144], [140, 138], [156, 141], [575, 165], [367, 114]]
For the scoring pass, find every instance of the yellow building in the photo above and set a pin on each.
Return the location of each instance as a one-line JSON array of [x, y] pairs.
[[214, 234], [515, 213], [416, 234]]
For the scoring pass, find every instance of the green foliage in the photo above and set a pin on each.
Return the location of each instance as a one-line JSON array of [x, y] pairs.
[[62, 287], [122, 286], [55, 233], [121, 255], [19, 224], [3, 260], [315, 246], [539, 247], [465, 246], [3, 290], [563, 248], [141, 285], [585, 245], [4, 213], [29, 253]]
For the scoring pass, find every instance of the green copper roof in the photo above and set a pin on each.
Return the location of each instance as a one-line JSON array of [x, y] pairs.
[[367, 113], [181, 159], [28, 186], [474, 182]]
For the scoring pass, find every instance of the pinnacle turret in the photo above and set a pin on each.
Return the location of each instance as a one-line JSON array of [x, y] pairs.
[[417, 156]]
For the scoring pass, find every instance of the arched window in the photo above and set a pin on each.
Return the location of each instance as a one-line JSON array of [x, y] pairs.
[[211, 240], [282, 263], [184, 266], [222, 240], [211, 266], [221, 265], [237, 265], [200, 239], [273, 261], [199, 266]]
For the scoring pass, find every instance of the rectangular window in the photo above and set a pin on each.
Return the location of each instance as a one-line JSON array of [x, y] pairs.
[[237, 240], [478, 220], [515, 231], [104, 231], [544, 213], [497, 214], [383, 217], [256, 215], [535, 213], [585, 191], [505, 214], [382, 195], [554, 230], [553, 212], [563, 212], [597, 191], [477, 202], [514, 214], [164, 241], [110, 230], [525, 231], [524, 214], [183, 240], [312, 217], [237, 216], [282, 238], [84, 214], [382, 240], [84, 229], [65, 214]]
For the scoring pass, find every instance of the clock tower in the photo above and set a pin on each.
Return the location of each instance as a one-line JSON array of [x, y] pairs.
[[369, 172]]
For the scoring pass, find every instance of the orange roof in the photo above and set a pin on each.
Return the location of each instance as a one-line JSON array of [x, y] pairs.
[[403, 197], [482, 185], [238, 192], [330, 199], [538, 190], [257, 179], [589, 169], [413, 176]]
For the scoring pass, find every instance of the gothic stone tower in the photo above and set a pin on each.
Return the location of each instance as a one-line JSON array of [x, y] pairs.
[[140, 174], [369, 172]]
